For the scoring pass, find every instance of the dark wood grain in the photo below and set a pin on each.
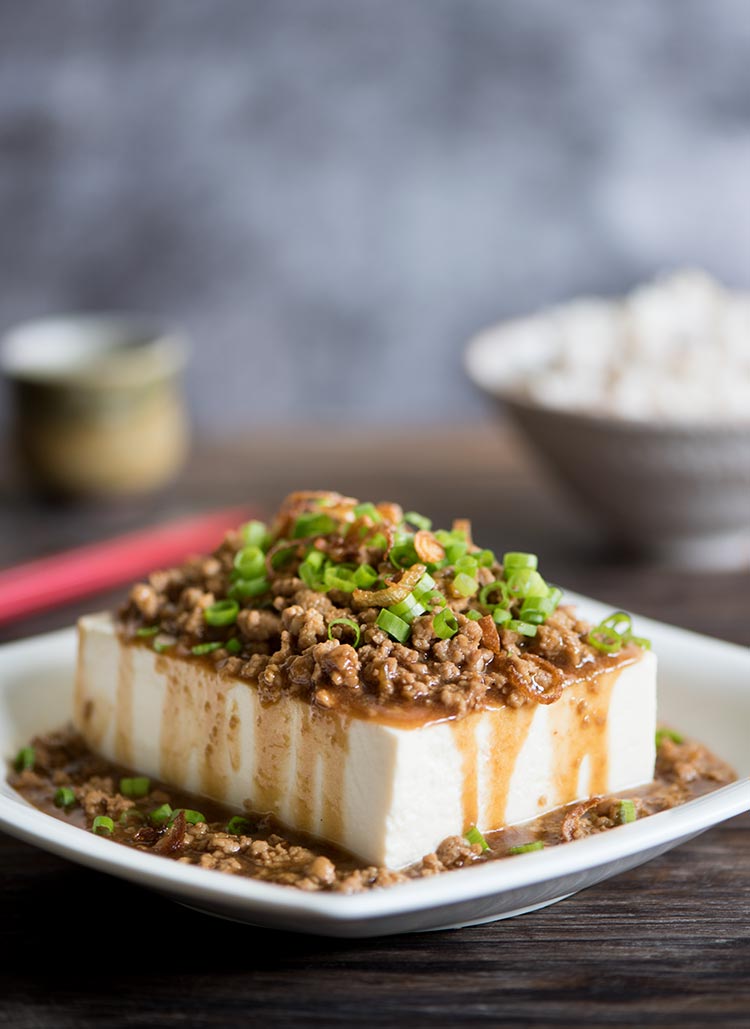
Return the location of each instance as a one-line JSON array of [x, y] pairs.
[[667, 944]]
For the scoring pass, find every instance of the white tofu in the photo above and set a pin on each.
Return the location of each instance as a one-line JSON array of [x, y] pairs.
[[387, 791]]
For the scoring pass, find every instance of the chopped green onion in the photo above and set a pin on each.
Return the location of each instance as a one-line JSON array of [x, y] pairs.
[[205, 648], [244, 588], [432, 598], [64, 798], [238, 826], [369, 509], [378, 541], [403, 554], [132, 817], [25, 759], [339, 577], [525, 582], [282, 556], [626, 812], [486, 558], [515, 559], [160, 815], [419, 520], [393, 625], [349, 623], [525, 628], [425, 585], [365, 577], [137, 786], [620, 621], [467, 564], [146, 631], [526, 848], [620, 624], [668, 734], [409, 608], [455, 551], [474, 616], [250, 562], [536, 609], [160, 646], [314, 524], [102, 826], [494, 587], [554, 595], [445, 624], [473, 835], [191, 817], [606, 640], [223, 612], [501, 615], [234, 646], [465, 585], [255, 534]]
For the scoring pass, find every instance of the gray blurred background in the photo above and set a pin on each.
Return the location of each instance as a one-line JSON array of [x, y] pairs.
[[331, 196]]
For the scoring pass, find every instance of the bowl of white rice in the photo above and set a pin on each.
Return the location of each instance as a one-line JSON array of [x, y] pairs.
[[641, 406]]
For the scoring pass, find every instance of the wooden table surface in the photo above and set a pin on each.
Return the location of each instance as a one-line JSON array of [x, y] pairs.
[[666, 944]]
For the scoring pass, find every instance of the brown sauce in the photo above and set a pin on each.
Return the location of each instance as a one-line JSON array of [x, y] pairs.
[[267, 851]]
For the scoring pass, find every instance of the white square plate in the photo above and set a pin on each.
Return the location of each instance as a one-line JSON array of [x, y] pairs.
[[704, 691]]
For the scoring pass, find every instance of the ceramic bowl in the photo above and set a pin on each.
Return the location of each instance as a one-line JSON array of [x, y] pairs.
[[676, 489]]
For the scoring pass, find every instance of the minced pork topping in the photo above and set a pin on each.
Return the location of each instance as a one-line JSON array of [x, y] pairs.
[[361, 606]]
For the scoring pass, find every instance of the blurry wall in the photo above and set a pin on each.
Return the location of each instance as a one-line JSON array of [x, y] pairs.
[[332, 195]]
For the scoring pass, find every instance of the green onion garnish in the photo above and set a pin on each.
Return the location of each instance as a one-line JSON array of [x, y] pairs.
[[315, 524], [536, 609], [102, 826], [468, 564], [604, 639], [349, 623], [455, 550], [25, 759], [501, 615], [486, 558], [516, 559], [668, 734], [339, 577], [147, 630], [365, 576], [409, 608], [250, 562], [205, 648], [626, 812], [403, 554], [223, 612], [244, 588], [369, 509], [255, 534], [445, 624], [526, 848], [238, 826], [525, 582], [161, 646], [525, 628], [136, 786], [234, 646], [160, 815], [393, 625], [191, 817], [494, 587], [474, 616], [473, 835], [64, 798], [418, 520], [465, 585]]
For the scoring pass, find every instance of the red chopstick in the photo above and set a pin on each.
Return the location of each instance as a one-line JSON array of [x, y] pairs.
[[45, 583]]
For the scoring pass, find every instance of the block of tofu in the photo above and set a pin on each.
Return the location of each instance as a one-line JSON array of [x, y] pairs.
[[389, 791]]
